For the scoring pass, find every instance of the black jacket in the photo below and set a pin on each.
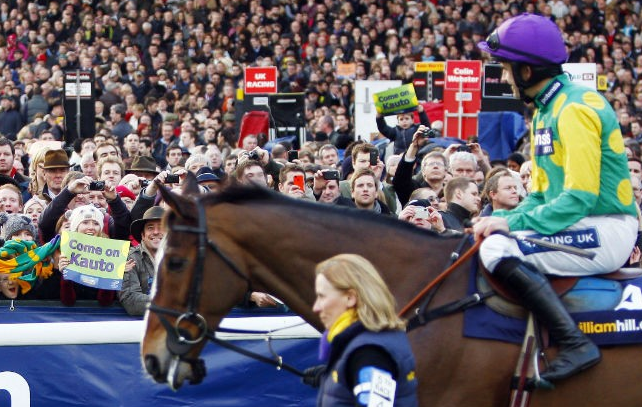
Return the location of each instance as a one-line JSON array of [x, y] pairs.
[[454, 216]]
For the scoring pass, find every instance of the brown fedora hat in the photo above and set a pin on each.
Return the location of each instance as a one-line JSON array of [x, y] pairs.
[[153, 213], [56, 159], [143, 163]]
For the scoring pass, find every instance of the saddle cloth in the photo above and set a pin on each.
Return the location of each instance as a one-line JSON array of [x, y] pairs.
[[607, 311]]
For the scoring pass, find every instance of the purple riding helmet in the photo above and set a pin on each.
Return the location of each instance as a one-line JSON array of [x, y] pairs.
[[528, 39]]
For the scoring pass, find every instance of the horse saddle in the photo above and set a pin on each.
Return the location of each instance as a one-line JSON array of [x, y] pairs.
[[578, 294]]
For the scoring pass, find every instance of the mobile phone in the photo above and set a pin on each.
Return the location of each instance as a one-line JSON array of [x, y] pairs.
[[293, 155], [374, 157], [97, 186], [171, 179], [330, 175], [299, 181], [421, 213]]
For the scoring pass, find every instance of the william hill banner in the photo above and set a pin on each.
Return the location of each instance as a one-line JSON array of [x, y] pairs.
[[397, 100]]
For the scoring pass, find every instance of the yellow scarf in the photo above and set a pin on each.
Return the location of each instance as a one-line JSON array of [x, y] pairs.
[[346, 319]]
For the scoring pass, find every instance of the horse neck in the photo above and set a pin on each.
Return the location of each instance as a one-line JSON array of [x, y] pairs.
[[282, 246]]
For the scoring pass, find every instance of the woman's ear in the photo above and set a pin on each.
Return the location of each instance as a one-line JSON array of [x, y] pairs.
[[351, 296]]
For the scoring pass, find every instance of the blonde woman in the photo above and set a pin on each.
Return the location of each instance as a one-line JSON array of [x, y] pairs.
[[36, 172], [364, 339]]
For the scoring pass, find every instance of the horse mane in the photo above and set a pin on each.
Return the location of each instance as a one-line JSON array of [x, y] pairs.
[[241, 194]]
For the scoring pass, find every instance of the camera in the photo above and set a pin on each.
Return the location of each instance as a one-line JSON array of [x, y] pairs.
[[171, 179], [97, 186], [330, 175], [422, 213], [463, 148], [143, 182], [374, 157], [430, 133], [293, 155], [253, 155]]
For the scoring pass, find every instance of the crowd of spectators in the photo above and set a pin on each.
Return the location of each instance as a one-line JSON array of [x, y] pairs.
[[167, 81]]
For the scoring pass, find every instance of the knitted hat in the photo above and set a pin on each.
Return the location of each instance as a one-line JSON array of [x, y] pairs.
[[14, 223], [33, 201], [125, 192], [85, 212]]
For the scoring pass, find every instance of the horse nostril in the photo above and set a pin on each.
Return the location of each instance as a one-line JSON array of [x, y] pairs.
[[152, 366]]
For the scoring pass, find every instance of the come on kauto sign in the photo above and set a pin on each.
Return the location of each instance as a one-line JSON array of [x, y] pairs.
[[260, 80], [466, 73]]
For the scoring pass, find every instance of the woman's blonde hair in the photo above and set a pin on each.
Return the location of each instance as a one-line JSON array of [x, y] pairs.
[[375, 303], [38, 158]]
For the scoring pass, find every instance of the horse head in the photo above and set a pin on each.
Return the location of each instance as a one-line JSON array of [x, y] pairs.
[[178, 322]]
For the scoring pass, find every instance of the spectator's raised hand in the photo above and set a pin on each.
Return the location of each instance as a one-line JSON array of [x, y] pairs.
[[79, 186], [110, 191]]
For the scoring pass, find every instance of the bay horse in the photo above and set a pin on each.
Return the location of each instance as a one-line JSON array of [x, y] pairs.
[[219, 246]]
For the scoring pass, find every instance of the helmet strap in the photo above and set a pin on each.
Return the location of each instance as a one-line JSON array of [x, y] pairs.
[[538, 73]]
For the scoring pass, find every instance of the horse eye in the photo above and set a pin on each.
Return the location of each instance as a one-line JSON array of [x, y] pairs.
[[175, 263]]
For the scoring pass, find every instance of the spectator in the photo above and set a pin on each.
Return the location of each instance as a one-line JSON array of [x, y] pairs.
[[7, 159], [364, 185], [137, 282], [10, 119], [287, 184], [208, 178], [33, 208], [433, 170], [501, 190], [402, 134], [86, 219], [10, 199], [422, 214], [56, 166], [462, 200], [327, 190], [120, 127]]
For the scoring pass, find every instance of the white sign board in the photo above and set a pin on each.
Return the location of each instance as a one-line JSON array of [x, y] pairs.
[[365, 114], [582, 73]]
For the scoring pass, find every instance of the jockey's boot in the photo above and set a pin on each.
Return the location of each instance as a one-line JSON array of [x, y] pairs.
[[576, 351]]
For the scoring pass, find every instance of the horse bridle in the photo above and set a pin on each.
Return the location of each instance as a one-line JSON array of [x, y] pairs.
[[179, 340]]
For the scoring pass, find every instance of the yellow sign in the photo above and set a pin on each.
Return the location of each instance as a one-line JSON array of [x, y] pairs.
[[397, 100], [436, 66]]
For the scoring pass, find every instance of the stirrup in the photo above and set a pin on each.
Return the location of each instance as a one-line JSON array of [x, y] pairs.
[[527, 378]]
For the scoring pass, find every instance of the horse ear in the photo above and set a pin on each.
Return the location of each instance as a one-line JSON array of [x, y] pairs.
[[190, 185], [182, 206]]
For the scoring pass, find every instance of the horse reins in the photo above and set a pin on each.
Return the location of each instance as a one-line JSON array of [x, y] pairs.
[[464, 257], [179, 340]]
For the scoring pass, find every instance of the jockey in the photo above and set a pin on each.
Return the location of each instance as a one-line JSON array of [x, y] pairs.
[[581, 190]]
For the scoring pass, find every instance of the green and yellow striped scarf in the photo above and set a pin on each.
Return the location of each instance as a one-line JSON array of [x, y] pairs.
[[25, 262]]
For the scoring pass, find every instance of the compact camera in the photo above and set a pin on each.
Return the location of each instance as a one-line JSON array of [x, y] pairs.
[[422, 213], [253, 155], [463, 148], [97, 186], [171, 179], [143, 182]]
